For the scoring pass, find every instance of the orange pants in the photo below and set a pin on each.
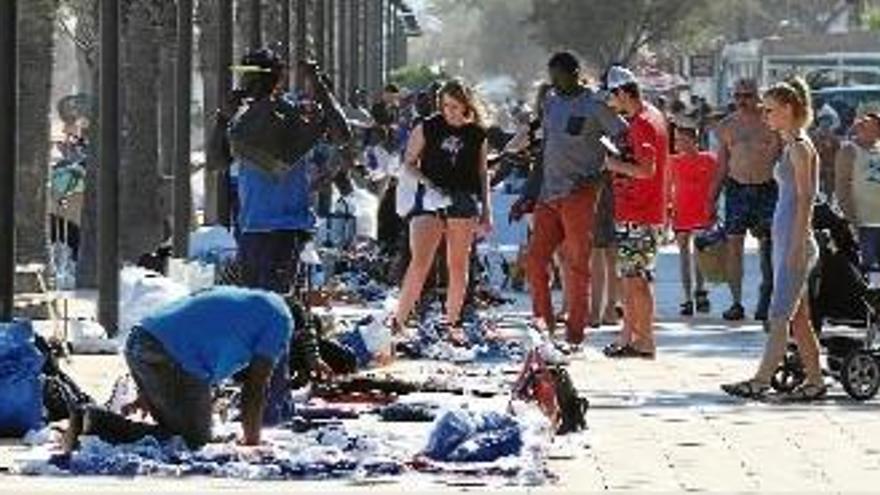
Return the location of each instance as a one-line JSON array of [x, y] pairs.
[[567, 221]]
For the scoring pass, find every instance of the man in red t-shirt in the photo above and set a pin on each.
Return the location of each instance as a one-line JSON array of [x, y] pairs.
[[639, 210], [692, 172]]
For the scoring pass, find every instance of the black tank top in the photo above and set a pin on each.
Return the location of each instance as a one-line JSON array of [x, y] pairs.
[[452, 155]]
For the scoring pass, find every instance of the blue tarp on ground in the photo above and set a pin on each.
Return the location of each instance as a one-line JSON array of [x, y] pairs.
[[21, 391]]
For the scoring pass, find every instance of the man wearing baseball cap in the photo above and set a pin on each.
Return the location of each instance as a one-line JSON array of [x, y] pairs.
[[639, 210]]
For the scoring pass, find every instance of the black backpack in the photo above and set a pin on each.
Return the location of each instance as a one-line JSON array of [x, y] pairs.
[[572, 407], [60, 392]]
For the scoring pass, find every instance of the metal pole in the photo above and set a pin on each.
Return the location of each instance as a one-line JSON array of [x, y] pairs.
[[354, 62], [387, 22], [108, 175], [392, 37], [285, 39], [301, 39], [256, 40], [8, 158], [331, 44], [319, 33], [183, 96], [344, 44], [366, 54], [225, 38]]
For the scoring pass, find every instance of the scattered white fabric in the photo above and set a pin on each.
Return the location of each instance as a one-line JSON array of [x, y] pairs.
[[141, 292], [89, 337], [44, 436], [194, 275], [212, 243], [365, 207]]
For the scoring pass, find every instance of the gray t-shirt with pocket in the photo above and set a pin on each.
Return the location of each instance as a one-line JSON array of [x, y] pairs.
[[573, 153]]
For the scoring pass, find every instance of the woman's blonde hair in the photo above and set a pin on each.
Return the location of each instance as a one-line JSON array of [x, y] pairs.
[[794, 92], [464, 94]]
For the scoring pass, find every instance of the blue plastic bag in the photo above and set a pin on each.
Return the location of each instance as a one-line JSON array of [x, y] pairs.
[[489, 446], [453, 428], [21, 407], [465, 436]]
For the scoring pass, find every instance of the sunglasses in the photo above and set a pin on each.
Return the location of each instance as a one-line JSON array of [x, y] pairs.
[[743, 96]]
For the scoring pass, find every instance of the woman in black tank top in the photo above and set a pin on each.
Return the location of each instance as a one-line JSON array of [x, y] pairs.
[[447, 152]]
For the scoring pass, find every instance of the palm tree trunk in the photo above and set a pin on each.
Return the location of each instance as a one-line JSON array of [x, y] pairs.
[[139, 180], [36, 48]]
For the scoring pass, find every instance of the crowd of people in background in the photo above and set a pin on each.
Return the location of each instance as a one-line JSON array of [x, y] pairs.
[[611, 173]]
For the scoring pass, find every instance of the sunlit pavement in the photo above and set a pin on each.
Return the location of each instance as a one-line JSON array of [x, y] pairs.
[[659, 425]]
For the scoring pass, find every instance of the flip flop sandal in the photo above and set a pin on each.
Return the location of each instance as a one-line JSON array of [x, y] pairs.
[[630, 351], [807, 392], [612, 349], [748, 389]]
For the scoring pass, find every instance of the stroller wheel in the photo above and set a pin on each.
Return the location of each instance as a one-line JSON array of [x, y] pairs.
[[790, 373], [860, 375]]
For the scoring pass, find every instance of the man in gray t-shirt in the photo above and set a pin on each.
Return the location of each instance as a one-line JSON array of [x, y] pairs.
[[563, 191]]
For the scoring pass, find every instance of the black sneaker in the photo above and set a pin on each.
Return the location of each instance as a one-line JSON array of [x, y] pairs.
[[761, 313], [735, 312], [702, 302], [686, 308]]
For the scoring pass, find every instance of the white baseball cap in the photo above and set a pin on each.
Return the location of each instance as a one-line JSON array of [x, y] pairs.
[[619, 76]]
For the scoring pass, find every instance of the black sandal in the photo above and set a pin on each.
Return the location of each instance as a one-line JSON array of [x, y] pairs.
[[748, 389], [616, 350], [612, 349], [808, 392]]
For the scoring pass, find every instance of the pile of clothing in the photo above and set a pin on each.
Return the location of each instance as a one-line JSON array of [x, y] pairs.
[[483, 344], [323, 453]]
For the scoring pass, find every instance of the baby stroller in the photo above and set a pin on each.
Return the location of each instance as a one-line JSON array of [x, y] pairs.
[[839, 294]]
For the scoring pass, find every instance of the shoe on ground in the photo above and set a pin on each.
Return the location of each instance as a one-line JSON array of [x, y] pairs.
[[761, 314], [686, 308], [630, 351], [702, 302], [735, 312]]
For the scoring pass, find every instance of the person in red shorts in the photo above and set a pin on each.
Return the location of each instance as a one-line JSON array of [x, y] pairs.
[[692, 171], [639, 210]]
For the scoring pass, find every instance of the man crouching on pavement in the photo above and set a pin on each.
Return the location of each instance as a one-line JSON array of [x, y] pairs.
[[177, 354]]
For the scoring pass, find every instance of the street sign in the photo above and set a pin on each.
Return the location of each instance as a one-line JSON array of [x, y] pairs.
[[702, 65]]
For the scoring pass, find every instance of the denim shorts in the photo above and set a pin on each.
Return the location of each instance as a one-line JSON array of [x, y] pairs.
[[749, 207], [464, 205]]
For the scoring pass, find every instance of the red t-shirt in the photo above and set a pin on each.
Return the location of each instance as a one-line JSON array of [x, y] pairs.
[[691, 179], [643, 201]]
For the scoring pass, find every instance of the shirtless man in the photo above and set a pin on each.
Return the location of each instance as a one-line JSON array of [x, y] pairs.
[[747, 151]]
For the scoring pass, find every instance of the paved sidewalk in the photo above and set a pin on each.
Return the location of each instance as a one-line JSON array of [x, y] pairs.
[[654, 426]]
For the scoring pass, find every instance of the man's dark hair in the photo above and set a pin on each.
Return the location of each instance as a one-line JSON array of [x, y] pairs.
[[565, 61], [632, 89], [392, 88]]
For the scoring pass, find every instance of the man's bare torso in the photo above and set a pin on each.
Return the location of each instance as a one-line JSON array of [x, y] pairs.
[[753, 148]]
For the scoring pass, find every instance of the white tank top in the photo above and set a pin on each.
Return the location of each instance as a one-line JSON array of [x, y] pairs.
[[866, 186]]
